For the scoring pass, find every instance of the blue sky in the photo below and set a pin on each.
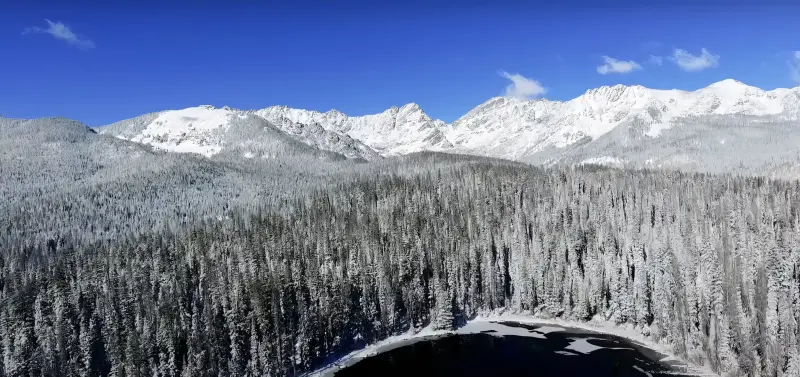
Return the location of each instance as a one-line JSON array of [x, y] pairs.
[[100, 63]]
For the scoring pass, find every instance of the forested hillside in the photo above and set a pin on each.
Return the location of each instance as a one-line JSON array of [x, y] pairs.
[[61, 178], [709, 264]]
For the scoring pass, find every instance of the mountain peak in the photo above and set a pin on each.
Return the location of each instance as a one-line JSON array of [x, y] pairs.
[[615, 88], [412, 106], [412, 110], [614, 93], [727, 82], [730, 84], [502, 100]]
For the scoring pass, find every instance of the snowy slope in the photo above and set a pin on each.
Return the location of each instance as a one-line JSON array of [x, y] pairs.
[[207, 130], [741, 144]]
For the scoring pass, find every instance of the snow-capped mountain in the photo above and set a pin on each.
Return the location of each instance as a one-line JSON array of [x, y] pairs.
[[208, 131], [518, 129], [609, 118], [396, 131]]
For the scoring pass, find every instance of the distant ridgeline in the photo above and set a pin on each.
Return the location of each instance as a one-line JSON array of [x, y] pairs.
[[708, 264]]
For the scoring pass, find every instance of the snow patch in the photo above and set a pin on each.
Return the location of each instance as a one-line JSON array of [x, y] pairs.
[[497, 329], [604, 160], [566, 353], [549, 329], [194, 118], [656, 129], [583, 346], [189, 130]]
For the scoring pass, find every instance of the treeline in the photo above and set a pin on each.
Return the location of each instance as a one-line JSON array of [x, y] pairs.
[[709, 264]]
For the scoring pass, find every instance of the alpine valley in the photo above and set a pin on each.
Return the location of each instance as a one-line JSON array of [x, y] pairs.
[[621, 126], [282, 242]]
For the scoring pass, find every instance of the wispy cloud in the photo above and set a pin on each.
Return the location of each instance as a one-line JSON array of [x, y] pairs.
[[794, 66], [60, 31], [522, 87], [655, 60], [617, 66], [694, 63]]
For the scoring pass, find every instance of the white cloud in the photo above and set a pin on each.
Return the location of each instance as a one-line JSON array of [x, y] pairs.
[[694, 63], [60, 31], [617, 66], [522, 87], [794, 66], [655, 60]]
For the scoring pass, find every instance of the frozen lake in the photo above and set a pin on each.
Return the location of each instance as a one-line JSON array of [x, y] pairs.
[[498, 348]]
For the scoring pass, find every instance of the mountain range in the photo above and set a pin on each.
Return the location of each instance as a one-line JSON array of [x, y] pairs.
[[624, 126], [248, 242]]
